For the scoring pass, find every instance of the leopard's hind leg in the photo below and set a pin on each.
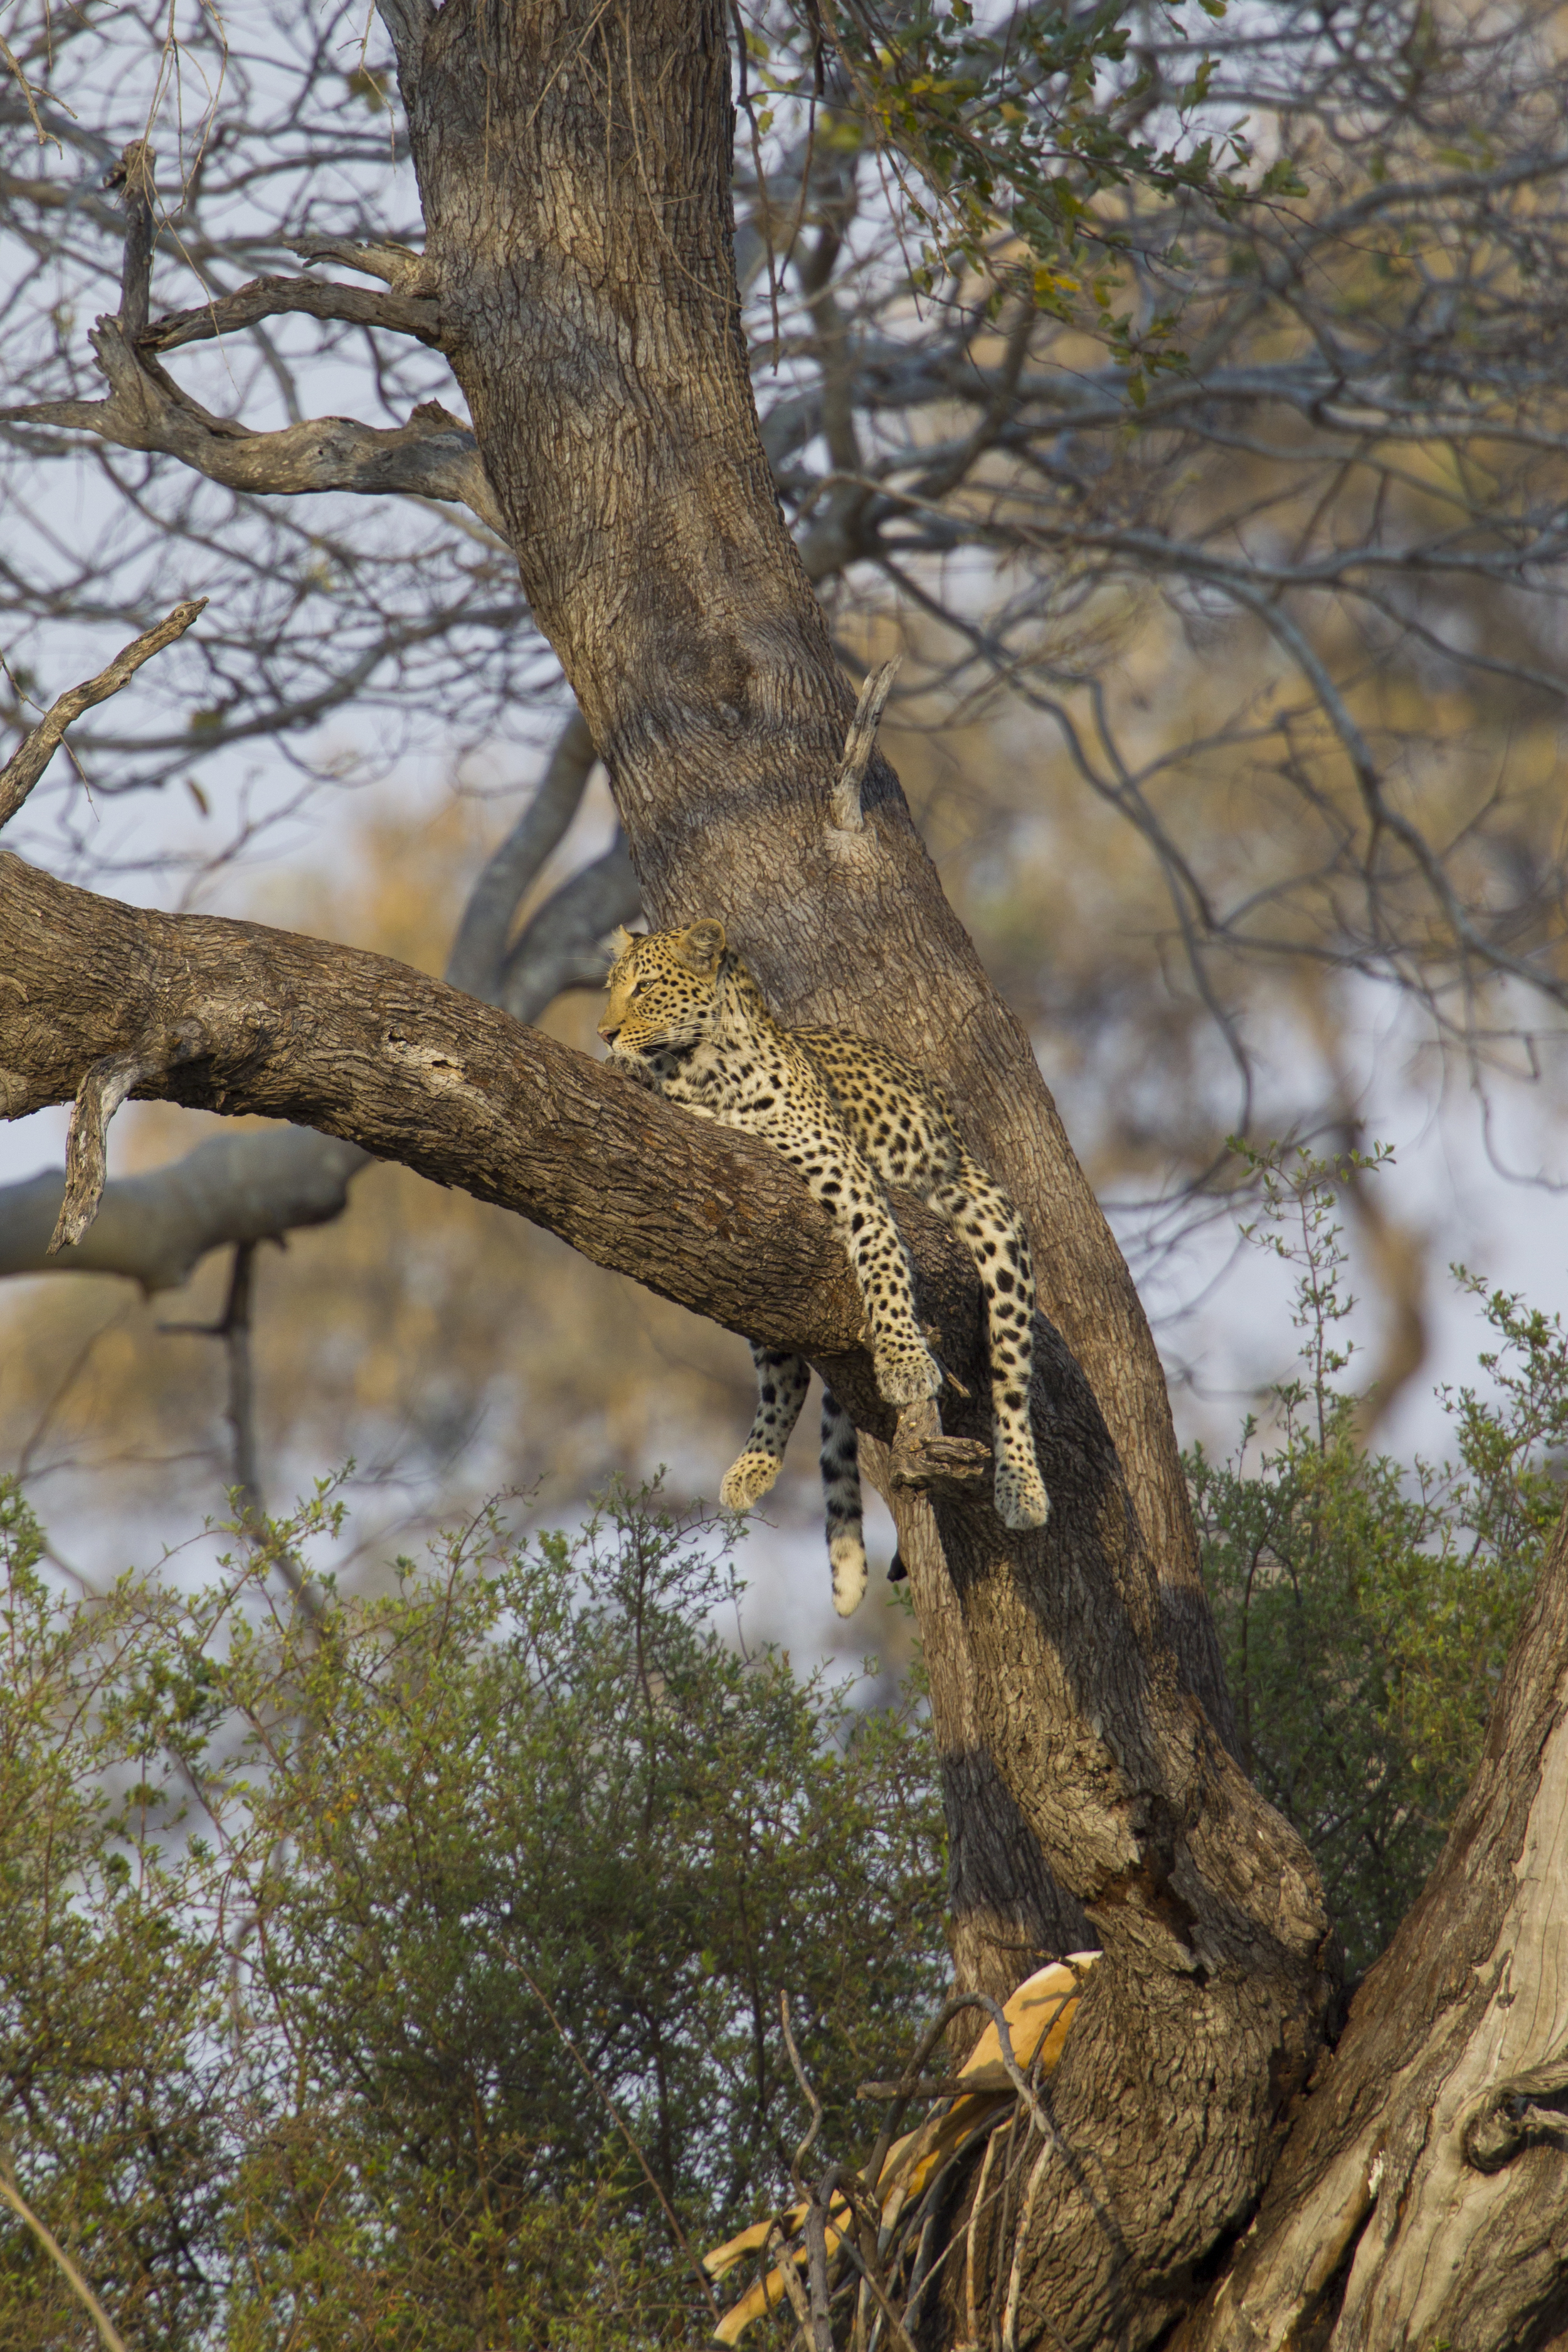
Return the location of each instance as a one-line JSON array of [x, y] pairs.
[[994, 1234], [841, 1497], [781, 1383]]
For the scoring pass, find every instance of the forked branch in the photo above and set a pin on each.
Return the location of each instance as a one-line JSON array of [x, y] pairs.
[[434, 455]]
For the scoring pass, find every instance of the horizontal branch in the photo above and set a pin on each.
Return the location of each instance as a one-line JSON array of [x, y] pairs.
[[239, 1019], [432, 457], [154, 1229], [317, 297]]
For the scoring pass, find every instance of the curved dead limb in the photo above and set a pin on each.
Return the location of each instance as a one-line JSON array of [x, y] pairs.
[[271, 298], [478, 951], [28, 761]]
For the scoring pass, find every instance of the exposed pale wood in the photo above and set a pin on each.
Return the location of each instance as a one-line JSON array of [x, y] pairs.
[[1381, 2232]]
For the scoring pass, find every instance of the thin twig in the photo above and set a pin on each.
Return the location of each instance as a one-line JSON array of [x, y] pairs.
[[27, 762], [57, 2253]]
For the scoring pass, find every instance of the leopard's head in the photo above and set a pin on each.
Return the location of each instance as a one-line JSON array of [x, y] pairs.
[[662, 988]]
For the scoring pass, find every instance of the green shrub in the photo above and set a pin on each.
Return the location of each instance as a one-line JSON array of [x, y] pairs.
[[332, 1950], [1365, 1610]]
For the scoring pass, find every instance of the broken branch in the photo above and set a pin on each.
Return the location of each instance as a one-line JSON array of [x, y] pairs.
[[103, 1090], [133, 172], [858, 746]]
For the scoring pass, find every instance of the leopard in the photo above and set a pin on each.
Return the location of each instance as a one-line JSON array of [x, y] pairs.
[[687, 1020]]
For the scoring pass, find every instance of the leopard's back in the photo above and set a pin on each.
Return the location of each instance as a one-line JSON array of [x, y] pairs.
[[898, 1115]]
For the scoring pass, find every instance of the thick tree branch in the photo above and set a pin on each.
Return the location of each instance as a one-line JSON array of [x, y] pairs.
[[431, 456], [237, 1018]]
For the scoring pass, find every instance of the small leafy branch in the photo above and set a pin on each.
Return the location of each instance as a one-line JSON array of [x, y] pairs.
[[1005, 134]]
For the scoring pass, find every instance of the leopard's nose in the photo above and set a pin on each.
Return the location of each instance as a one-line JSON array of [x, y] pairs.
[[609, 1031]]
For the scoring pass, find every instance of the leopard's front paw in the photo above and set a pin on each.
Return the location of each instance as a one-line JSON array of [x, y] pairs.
[[907, 1378], [747, 1480]]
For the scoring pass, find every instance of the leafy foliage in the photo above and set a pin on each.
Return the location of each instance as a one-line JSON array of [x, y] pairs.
[[328, 1946], [1365, 1610], [1003, 129]]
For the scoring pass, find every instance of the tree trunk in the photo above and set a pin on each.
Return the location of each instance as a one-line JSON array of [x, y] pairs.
[[588, 305]]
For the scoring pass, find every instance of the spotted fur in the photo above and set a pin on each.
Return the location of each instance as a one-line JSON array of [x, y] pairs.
[[686, 1018]]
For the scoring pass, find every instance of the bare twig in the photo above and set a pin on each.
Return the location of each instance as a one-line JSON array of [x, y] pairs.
[[114, 2340], [28, 761], [816, 2196]]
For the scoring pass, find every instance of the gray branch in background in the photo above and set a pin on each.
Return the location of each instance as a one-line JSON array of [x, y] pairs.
[[154, 1228], [561, 946], [480, 950]]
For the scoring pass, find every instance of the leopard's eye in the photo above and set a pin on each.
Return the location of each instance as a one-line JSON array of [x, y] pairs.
[[637, 987]]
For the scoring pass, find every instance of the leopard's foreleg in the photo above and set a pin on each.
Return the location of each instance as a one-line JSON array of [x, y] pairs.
[[993, 1232], [782, 1382]]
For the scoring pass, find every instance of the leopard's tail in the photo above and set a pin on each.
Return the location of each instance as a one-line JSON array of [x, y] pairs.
[[841, 1497]]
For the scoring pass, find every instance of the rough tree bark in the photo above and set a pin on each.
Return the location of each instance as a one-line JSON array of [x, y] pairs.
[[574, 162]]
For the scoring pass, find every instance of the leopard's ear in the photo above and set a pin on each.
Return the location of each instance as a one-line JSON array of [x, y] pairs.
[[700, 948], [622, 940]]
